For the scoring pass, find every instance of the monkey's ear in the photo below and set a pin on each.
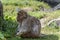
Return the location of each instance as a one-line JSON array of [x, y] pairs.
[[18, 9]]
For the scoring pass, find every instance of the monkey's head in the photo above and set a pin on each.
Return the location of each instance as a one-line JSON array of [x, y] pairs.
[[21, 15]]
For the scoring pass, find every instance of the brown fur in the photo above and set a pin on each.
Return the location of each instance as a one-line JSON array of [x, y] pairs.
[[21, 16], [32, 24]]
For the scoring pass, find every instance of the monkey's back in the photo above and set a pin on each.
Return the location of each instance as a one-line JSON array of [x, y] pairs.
[[31, 22]]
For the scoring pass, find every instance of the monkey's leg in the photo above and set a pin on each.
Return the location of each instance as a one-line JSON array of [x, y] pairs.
[[37, 31]]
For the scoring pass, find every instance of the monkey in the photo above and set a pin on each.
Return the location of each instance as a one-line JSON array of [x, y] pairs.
[[28, 26]]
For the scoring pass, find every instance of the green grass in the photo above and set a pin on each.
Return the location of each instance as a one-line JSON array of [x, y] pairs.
[[26, 3], [10, 22]]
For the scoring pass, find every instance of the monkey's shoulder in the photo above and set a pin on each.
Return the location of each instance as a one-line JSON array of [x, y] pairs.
[[34, 20]]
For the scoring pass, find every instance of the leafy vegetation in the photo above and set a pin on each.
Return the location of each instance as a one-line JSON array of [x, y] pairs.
[[10, 22]]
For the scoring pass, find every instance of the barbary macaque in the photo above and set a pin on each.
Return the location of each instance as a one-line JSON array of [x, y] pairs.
[[28, 26]]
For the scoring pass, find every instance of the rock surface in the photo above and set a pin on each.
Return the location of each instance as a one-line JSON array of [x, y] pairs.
[[57, 21], [44, 23]]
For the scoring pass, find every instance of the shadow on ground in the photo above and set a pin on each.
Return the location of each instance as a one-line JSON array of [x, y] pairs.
[[48, 37]]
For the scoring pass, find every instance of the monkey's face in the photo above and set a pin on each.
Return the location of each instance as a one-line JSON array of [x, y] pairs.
[[21, 15]]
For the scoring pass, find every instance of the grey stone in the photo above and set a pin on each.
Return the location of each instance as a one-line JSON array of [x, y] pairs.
[[56, 7], [57, 21]]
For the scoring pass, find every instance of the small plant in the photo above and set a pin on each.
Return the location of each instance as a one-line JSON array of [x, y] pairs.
[[2, 36]]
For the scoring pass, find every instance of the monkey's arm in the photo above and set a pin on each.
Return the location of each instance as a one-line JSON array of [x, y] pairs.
[[19, 25]]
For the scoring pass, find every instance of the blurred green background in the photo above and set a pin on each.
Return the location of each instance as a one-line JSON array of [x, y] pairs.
[[10, 22]]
